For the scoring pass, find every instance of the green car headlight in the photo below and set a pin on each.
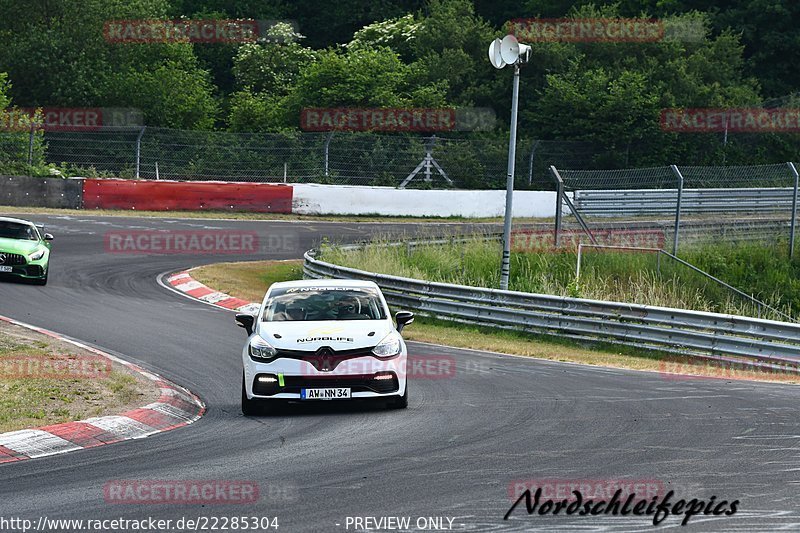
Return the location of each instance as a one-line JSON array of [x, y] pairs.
[[38, 254]]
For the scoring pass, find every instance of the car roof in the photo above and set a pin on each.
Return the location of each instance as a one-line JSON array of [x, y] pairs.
[[17, 220], [356, 283]]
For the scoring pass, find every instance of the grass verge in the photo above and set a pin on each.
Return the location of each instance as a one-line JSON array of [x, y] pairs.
[[45, 381], [250, 280], [622, 276]]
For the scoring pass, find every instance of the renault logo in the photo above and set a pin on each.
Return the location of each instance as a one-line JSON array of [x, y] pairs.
[[325, 355]]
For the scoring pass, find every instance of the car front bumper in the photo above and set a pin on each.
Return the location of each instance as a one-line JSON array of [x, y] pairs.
[[366, 377]]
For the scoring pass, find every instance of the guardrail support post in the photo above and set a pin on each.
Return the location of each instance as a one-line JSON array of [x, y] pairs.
[[794, 211], [139, 150], [677, 209]]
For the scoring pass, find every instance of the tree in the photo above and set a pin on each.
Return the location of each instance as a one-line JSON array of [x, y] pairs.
[[57, 56]]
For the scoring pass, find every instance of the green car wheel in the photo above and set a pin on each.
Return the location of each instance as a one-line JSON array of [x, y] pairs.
[[24, 250]]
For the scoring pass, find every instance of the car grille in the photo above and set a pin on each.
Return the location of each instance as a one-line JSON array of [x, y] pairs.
[[356, 383], [325, 359], [11, 259]]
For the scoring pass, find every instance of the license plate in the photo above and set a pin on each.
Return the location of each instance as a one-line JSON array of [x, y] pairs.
[[6, 269], [324, 394]]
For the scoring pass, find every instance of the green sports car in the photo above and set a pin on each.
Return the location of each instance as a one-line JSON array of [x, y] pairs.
[[24, 250]]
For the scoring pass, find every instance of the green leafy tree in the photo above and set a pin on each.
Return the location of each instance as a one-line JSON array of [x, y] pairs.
[[57, 55]]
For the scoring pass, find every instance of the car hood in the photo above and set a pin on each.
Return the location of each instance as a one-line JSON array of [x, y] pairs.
[[18, 246], [338, 335]]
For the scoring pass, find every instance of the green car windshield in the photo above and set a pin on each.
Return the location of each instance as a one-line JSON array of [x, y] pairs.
[[15, 230]]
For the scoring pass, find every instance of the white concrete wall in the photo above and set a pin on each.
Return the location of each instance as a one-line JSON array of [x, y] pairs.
[[357, 200]]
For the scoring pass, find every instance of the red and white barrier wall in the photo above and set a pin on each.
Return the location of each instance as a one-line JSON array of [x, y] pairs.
[[308, 199]]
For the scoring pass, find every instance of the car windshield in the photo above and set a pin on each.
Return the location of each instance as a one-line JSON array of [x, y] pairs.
[[15, 230], [323, 303]]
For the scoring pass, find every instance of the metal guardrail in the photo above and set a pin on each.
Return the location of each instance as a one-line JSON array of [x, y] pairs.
[[715, 336], [634, 202]]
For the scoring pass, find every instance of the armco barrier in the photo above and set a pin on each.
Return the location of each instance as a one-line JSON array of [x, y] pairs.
[[708, 335], [161, 195], [634, 202]]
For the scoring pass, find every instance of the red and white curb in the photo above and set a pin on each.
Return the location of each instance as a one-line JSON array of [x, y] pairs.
[[176, 407], [184, 283]]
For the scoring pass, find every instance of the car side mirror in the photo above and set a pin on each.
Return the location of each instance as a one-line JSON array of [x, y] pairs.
[[403, 318], [246, 321], [48, 237]]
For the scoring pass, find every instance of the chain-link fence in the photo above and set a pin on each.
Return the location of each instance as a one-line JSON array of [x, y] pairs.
[[666, 207], [353, 158]]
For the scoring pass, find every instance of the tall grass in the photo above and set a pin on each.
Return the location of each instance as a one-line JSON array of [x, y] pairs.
[[641, 278]]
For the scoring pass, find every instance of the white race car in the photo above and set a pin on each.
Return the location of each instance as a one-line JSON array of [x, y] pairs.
[[323, 340]]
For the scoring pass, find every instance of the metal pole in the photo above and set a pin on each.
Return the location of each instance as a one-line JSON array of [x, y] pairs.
[[559, 207], [677, 209], [794, 211], [327, 152], [30, 144], [139, 149], [530, 163], [512, 149]]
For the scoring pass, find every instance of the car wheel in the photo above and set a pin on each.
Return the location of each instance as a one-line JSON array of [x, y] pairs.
[[399, 402], [249, 407], [41, 281]]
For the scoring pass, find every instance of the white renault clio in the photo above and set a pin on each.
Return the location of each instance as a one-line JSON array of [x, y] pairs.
[[323, 340]]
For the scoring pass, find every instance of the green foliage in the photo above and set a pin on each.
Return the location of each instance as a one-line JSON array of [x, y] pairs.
[[398, 34], [420, 53]]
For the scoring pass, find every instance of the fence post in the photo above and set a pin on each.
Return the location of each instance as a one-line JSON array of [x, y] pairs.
[[677, 209], [327, 152], [139, 150], [530, 162], [794, 211], [30, 143], [559, 195]]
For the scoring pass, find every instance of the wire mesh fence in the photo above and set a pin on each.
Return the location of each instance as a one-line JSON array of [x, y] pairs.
[[350, 158], [686, 205]]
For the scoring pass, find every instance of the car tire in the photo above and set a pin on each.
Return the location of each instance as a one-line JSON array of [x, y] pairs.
[[249, 407], [41, 281], [399, 402]]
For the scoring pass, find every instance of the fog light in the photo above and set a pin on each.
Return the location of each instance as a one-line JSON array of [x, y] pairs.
[[267, 379], [383, 375]]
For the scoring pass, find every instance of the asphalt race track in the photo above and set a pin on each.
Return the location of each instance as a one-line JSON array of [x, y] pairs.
[[453, 453]]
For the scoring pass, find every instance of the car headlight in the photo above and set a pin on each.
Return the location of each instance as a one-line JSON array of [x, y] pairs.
[[35, 256], [389, 347], [261, 349]]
